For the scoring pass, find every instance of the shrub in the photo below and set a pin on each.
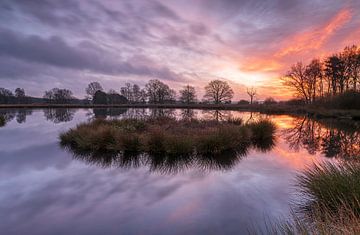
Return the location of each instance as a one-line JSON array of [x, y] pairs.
[[270, 101], [243, 102], [2, 121]]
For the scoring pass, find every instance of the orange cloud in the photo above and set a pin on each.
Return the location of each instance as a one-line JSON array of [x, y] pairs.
[[314, 39]]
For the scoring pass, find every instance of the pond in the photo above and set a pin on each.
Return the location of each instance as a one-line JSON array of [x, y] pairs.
[[45, 189]]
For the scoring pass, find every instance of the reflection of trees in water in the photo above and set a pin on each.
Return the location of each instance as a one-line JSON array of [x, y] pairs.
[[160, 113], [188, 114], [326, 137], [19, 114], [217, 115], [108, 112], [58, 115]]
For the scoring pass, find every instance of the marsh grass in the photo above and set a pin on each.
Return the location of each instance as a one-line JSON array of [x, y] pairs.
[[332, 186], [331, 204], [167, 136]]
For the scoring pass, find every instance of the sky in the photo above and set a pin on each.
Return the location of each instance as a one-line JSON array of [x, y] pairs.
[[249, 43]]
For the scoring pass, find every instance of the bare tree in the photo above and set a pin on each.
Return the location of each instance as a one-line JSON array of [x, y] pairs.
[[252, 93], [218, 92], [127, 92], [313, 82], [159, 92], [295, 79], [188, 94], [92, 88], [57, 95]]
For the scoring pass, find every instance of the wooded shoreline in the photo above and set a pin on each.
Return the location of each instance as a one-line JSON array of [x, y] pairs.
[[314, 111]]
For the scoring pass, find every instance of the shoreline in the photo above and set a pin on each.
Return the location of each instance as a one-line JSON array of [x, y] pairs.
[[312, 111]]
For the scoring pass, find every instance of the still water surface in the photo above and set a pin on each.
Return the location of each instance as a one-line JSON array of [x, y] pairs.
[[46, 190]]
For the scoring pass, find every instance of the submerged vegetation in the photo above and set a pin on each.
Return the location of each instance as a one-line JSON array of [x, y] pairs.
[[167, 142]]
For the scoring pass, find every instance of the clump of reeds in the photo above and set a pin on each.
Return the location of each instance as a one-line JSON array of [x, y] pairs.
[[330, 205], [166, 136], [332, 186]]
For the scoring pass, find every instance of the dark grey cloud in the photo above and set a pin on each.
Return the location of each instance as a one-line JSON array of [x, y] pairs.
[[55, 51]]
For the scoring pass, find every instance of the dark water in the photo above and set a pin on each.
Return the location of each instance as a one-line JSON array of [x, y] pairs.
[[45, 190]]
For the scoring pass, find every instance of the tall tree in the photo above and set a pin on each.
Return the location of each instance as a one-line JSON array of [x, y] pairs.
[[92, 88], [351, 57], [252, 93], [218, 91], [295, 79], [335, 71], [188, 94], [127, 91], [313, 80]]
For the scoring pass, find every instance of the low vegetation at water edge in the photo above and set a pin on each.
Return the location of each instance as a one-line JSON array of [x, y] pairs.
[[331, 204], [167, 136]]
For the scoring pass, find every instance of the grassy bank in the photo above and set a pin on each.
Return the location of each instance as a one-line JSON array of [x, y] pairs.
[[331, 202], [168, 137]]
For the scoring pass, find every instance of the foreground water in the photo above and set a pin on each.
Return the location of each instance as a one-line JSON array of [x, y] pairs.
[[46, 190]]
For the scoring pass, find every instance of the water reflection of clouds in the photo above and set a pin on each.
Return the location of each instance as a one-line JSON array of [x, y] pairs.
[[44, 191]]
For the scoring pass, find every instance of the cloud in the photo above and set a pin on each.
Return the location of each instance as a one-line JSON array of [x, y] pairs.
[[315, 38], [118, 41], [55, 51]]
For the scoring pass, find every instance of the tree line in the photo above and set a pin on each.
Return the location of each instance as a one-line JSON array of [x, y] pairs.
[[154, 92], [335, 75]]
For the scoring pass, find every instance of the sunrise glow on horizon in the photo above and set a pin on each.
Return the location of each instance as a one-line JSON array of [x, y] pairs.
[[248, 43]]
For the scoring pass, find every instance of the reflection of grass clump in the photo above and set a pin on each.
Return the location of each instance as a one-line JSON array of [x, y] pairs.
[[166, 136], [2, 121], [262, 132]]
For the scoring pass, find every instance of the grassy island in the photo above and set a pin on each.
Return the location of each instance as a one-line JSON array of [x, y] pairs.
[[159, 137]]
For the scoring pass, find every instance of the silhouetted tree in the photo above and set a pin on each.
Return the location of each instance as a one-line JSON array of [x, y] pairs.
[[335, 71], [252, 93], [59, 96], [6, 96], [92, 88], [19, 93], [159, 92], [313, 82], [218, 92], [100, 97], [351, 57], [127, 91], [188, 94]]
